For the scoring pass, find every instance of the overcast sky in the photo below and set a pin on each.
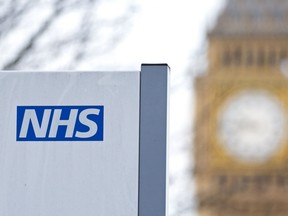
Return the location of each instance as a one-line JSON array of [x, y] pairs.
[[166, 31]]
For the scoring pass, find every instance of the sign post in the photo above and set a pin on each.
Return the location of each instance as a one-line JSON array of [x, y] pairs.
[[84, 143], [153, 140]]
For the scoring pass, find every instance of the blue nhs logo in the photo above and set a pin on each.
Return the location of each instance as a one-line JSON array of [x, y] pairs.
[[60, 123]]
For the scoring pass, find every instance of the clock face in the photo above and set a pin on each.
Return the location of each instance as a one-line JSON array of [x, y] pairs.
[[252, 126]]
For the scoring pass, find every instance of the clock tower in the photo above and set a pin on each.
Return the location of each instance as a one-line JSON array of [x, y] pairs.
[[241, 141]]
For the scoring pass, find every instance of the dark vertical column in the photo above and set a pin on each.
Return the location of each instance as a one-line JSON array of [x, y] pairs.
[[153, 139]]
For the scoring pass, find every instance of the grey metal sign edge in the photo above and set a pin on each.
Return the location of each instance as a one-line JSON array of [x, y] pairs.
[[154, 83]]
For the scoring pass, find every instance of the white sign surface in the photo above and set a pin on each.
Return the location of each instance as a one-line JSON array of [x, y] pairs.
[[74, 172]]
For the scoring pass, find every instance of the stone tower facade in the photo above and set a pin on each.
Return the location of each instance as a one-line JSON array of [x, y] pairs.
[[241, 142]]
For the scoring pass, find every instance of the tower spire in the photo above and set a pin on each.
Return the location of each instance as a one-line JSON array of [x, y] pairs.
[[253, 17]]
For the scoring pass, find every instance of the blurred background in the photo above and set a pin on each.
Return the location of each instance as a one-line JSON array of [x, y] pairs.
[[121, 34]]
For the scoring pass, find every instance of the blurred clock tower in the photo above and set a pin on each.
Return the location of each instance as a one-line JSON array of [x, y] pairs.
[[241, 142]]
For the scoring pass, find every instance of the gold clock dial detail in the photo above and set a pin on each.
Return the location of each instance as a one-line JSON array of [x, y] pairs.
[[252, 126]]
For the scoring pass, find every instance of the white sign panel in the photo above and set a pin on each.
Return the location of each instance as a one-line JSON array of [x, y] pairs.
[[69, 144]]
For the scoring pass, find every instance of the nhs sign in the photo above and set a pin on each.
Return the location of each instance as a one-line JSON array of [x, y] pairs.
[[60, 123], [84, 143]]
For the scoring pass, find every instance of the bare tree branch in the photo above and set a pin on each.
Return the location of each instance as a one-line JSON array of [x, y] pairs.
[[47, 42]]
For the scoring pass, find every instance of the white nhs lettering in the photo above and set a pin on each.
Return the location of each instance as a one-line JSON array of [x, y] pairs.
[[45, 126]]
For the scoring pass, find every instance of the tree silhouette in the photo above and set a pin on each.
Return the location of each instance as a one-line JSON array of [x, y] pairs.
[[59, 34]]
